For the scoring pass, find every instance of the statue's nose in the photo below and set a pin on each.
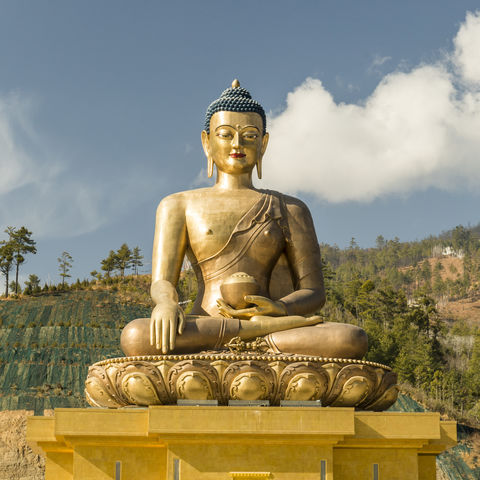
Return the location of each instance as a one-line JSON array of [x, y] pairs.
[[236, 142]]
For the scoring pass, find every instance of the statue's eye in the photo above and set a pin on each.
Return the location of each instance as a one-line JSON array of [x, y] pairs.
[[224, 134], [250, 135]]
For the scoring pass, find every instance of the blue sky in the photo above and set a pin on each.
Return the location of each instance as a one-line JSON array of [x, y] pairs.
[[102, 105]]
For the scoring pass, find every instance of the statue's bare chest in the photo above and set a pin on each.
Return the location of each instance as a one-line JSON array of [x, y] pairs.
[[211, 222]]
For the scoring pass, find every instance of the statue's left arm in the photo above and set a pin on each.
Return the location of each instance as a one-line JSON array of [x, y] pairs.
[[303, 254]]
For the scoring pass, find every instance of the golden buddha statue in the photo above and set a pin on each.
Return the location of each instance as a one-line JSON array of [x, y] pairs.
[[233, 228], [252, 334]]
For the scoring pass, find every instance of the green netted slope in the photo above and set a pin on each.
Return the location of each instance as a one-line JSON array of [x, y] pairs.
[[458, 463], [48, 342]]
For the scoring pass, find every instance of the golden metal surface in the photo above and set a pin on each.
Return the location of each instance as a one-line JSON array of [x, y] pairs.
[[234, 227], [216, 443], [163, 379], [236, 288]]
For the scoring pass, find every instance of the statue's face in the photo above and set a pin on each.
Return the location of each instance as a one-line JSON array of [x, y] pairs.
[[236, 142]]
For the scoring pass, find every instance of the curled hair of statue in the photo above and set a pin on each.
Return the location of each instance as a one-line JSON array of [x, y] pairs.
[[235, 99]]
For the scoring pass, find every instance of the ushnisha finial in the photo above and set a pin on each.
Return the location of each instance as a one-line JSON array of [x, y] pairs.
[[235, 83]]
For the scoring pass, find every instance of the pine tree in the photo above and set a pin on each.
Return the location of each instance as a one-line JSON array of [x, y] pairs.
[[32, 284], [109, 263], [6, 261], [123, 259], [14, 286], [473, 372], [461, 239], [22, 243], [136, 260], [64, 266], [96, 275], [380, 242]]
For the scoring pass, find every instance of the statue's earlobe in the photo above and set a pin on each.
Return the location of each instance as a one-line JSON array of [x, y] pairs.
[[209, 166], [259, 169]]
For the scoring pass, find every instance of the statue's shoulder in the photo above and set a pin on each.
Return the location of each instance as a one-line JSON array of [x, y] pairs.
[[293, 205], [170, 200], [180, 200]]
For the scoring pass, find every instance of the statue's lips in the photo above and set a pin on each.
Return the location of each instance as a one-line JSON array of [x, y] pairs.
[[237, 155]]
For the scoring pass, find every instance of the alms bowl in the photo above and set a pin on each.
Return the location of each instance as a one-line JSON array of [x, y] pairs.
[[236, 287]]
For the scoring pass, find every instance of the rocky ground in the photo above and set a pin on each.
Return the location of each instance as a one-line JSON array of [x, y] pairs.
[[17, 460]]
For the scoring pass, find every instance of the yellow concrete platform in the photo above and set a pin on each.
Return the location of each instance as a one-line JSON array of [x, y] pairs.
[[207, 443]]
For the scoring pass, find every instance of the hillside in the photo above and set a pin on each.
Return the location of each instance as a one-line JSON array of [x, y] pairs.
[[47, 343], [465, 310], [420, 305]]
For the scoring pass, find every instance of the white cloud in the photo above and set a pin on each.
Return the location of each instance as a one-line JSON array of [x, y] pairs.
[[418, 129], [40, 192], [467, 48], [378, 60], [16, 168]]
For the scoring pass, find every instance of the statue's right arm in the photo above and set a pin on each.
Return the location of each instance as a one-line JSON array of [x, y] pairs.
[[169, 248]]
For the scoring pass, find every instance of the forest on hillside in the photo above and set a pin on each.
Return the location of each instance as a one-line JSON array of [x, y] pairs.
[[396, 291]]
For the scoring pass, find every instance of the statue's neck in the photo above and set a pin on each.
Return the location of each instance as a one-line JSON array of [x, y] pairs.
[[226, 181]]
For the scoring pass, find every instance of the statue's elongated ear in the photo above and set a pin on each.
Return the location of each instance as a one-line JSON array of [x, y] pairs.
[[206, 149], [262, 151], [205, 142], [265, 142]]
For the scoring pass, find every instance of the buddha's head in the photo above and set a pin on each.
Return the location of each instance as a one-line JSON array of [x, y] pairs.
[[235, 136]]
